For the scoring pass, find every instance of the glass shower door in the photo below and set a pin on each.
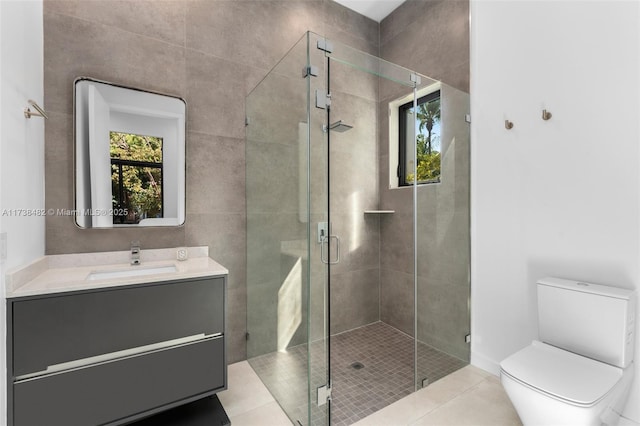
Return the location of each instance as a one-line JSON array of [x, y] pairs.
[[337, 246], [350, 99], [278, 233], [287, 190], [344, 252]]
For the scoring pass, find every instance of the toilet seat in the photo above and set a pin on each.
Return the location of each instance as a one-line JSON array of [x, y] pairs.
[[562, 375]]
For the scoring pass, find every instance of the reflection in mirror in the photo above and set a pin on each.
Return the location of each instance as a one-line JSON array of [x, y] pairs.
[[130, 156], [136, 177]]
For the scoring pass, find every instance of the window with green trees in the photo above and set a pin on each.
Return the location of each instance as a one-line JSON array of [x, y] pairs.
[[426, 126], [136, 177]]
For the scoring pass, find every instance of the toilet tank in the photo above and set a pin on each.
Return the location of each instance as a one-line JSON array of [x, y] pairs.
[[593, 320]]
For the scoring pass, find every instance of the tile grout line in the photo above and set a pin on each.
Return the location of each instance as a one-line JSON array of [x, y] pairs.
[[464, 392], [260, 407], [95, 22], [256, 377]]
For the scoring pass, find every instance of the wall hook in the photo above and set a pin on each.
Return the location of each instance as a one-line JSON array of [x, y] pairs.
[[28, 113], [546, 115], [508, 124]]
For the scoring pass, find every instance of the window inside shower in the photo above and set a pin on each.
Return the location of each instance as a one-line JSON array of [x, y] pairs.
[[425, 125]]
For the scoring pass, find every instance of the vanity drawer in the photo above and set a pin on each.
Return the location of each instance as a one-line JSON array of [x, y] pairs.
[[62, 328], [104, 393]]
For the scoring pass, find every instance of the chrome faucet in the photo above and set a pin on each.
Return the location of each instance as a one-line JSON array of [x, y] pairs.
[[135, 252]]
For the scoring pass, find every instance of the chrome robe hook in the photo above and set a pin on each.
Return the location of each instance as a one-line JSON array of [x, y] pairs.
[[28, 113]]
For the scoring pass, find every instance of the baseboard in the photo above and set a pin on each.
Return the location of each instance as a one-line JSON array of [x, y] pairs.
[[485, 363]]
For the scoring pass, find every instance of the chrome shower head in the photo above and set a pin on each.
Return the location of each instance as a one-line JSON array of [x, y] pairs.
[[339, 126]]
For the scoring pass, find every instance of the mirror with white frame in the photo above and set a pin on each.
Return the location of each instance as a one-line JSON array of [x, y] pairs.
[[129, 156]]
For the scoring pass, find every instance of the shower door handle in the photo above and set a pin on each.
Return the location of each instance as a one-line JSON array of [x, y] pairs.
[[328, 241]]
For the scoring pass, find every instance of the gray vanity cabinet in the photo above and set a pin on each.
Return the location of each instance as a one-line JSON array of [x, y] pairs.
[[110, 356]]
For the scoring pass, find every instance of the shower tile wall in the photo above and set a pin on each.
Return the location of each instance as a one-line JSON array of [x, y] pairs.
[[355, 279], [431, 37], [212, 53], [443, 265]]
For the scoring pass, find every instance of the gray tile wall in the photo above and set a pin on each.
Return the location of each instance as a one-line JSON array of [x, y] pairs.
[[212, 53], [431, 37], [355, 279]]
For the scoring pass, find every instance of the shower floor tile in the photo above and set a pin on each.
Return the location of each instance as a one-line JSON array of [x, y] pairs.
[[384, 374]]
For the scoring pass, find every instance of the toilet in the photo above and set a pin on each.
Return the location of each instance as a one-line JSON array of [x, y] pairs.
[[581, 370]]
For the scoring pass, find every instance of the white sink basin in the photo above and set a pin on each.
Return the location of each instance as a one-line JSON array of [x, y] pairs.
[[134, 271]]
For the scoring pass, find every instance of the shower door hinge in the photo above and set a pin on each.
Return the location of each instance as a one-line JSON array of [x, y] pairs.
[[467, 338], [326, 45], [310, 70], [323, 99], [246, 336], [324, 394], [246, 121], [467, 118]]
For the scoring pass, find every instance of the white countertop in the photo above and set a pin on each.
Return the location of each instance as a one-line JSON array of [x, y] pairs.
[[69, 272]]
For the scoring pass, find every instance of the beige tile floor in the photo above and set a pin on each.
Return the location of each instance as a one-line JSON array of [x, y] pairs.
[[469, 396]]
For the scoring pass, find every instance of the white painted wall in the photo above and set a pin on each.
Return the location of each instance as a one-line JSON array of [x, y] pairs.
[[21, 145], [558, 197]]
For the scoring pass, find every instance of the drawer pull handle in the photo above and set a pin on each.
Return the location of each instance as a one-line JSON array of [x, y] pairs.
[[113, 356]]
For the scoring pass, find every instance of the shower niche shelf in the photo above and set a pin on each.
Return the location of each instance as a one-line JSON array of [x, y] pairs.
[[379, 211]]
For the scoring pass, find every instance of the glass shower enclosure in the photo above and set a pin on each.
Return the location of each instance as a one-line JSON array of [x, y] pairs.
[[357, 279]]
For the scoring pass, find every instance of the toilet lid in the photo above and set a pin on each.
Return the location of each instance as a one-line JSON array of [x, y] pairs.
[[562, 374]]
